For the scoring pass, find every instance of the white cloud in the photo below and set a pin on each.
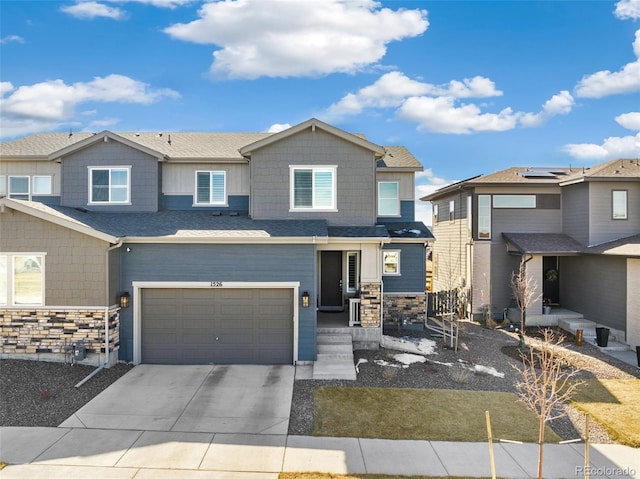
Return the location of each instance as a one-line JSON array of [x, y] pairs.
[[560, 104], [630, 121], [611, 148], [393, 88], [90, 10], [298, 38], [605, 83], [44, 105], [11, 39], [627, 9], [441, 115], [277, 127]]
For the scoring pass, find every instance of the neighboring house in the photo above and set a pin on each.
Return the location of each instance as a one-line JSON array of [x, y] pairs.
[[203, 247], [577, 229]]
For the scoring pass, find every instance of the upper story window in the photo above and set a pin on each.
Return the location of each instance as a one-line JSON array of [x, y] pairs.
[[41, 185], [452, 210], [19, 188], [435, 214], [388, 198], [469, 216], [484, 216], [514, 201], [109, 185], [21, 279], [211, 188], [619, 204], [313, 188], [391, 262]]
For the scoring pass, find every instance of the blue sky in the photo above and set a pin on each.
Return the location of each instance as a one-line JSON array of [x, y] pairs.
[[470, 87]]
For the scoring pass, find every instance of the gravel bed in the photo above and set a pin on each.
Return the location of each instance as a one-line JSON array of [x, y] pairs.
[[39, 393], [477, 346]]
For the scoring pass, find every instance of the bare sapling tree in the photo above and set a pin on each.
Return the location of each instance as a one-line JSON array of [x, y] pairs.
[[525, 293], [545, 384]]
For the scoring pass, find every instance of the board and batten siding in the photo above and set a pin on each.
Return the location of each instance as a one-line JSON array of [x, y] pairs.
[[603, 227], [595, 286], [575, 212], [75, 264], [144, 179], [238, 263], [356, 172]]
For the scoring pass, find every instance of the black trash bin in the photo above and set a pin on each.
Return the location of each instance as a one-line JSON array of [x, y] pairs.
[[602, 337], [638, 355]]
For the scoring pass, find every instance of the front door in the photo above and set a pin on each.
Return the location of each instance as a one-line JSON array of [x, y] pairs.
[[331, 281]]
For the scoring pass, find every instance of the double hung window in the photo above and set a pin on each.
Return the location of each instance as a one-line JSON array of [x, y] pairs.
[[391, 262], [388, 198], [619, 204]]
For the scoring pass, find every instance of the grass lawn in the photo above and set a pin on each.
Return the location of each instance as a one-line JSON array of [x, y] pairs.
[[423, 414], [613, 403]]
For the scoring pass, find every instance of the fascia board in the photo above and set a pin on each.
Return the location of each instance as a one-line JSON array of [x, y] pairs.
[[225, 240], [98, 137]]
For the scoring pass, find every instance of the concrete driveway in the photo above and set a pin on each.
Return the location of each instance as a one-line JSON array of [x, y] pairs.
[[216, 399]]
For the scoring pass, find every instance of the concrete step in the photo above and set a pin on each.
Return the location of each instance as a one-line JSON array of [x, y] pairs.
[[324, 356], [334, 369], [335, 348], [334, 339], [613, 346], [571, 325]]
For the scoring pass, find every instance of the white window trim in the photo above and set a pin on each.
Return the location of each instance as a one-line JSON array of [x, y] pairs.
[[10, 299], [195, 194], [313, 168], [109, 168], [33, 188], [397, 198], [613, 205], [480, 217], [399, 271], [9, 192], [452, 210]]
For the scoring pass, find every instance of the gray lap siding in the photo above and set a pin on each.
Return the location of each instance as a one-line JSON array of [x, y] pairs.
[[224, 263]]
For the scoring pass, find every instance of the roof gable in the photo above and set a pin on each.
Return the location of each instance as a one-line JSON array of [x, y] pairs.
[[104, 136], [313, 124]]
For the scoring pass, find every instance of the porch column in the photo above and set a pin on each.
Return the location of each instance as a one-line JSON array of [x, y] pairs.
[[370, 305], [534, 272]]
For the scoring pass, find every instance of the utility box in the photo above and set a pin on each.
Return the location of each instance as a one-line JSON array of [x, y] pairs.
[[79, 352]]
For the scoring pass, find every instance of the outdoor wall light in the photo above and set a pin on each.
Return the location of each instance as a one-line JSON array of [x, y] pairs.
[[123, 299], [305, 299]]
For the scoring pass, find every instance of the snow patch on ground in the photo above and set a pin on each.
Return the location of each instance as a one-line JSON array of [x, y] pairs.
[[382, 362], [360, 361], [409, 345], [478, 368], [408, 359]]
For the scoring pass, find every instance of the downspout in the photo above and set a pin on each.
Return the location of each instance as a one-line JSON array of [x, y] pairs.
[[106, 319]]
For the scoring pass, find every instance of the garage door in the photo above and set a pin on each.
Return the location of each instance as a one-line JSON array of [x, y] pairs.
[[217, 326]]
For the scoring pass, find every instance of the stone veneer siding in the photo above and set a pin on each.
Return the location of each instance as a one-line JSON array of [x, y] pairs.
[[370, 303], [42, 331], [412, 307]]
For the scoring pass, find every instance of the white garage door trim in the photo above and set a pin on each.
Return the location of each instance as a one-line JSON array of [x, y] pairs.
[[140, 285]]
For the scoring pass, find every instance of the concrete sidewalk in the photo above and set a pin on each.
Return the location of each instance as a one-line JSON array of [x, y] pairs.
[[51, 453]]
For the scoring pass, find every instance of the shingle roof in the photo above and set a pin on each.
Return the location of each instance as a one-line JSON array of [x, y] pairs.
[[357, 232], [547, 243], [616, 169], [629, 246], [183, 224], [399, 157], [409, 229]]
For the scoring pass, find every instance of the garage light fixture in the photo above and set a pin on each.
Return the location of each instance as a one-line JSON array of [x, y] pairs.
[[305, 299], [123, 299]]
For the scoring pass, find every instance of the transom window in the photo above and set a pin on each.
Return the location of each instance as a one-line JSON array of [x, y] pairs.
[[109, 185], [391, 262], [619, 204], [21, 279], [388, 198], [211, 188], [313, 188], [514, 201]]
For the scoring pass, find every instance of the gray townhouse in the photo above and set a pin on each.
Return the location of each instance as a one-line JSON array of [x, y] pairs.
[[198, 248], [577, 229]]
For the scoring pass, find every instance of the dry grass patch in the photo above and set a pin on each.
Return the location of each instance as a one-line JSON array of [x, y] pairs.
[[613, 403], [423, 414]]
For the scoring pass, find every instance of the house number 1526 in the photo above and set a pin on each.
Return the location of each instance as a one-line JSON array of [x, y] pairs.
[[216, 284]]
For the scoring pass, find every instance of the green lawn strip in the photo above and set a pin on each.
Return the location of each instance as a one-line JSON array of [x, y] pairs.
[[613, 403], [423, 414]]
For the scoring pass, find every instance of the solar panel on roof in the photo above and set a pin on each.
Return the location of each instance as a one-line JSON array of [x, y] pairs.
[[538, 174]]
